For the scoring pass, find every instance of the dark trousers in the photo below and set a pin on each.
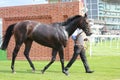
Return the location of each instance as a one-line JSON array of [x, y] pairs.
[[79, 50]]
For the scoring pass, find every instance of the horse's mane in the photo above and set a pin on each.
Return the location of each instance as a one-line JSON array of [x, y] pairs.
[[67, 21], [71, 19]]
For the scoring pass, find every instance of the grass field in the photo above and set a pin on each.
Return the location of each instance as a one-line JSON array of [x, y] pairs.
[[105, 67], [105, 61]]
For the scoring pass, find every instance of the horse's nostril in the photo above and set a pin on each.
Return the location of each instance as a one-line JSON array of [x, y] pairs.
[[91, 33]]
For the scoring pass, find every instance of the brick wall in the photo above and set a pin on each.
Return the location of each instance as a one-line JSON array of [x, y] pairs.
[[46, 13]]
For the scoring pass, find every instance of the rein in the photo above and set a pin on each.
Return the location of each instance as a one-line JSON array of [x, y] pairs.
[[78, 36]]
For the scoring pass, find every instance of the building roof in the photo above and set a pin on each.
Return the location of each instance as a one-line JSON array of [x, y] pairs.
[[112, 1]]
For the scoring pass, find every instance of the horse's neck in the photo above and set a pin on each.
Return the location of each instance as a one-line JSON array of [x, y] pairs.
[[70, 28]]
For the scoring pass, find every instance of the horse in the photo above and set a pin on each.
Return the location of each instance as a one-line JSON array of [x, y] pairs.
[[54, 35]]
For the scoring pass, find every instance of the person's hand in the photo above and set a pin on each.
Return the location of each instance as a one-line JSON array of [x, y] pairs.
[[86, 39]]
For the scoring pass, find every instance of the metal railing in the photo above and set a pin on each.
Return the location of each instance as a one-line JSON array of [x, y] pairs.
[[106, 41]]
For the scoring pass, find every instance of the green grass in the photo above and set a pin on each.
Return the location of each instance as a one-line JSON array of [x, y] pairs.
[[105, 61], [3, 55], [105, 48], [105, 67]]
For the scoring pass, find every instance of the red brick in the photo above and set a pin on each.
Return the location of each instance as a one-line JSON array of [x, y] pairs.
[[46, 13]]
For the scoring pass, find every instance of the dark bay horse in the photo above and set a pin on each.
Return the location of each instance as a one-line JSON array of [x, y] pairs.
[[53, 35]]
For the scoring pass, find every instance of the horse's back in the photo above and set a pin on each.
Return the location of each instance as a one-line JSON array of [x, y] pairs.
[[23, 29], [45, 34]]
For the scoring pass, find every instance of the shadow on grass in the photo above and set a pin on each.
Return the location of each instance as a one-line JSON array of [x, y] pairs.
[[36, 72], [5, 71], [18, 71]]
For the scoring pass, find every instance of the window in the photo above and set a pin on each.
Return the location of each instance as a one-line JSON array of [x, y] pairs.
[[108, 7], [89, 16], [119, 28], [94, 1], [94, 17], [94, 12], [54, 1], [66, 0], [119, 20], [89, 12], [89, 7], [88, 1], [94, 6]]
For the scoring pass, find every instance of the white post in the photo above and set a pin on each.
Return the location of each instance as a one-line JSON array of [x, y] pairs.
[[90, 46], [117, 42], [111, 42]]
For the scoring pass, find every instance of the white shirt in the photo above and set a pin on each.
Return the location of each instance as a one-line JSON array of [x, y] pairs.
[[81, 37], [77, 31]]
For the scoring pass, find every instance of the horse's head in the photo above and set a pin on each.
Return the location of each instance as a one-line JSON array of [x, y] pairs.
[[84, 25]]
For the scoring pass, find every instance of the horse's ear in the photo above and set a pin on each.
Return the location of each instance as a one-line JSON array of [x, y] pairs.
[[85, 15]]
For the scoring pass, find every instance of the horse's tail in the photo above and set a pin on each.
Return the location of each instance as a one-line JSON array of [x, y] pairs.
[[7, 36]]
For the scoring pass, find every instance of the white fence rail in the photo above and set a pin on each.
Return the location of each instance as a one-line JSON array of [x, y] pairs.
[[100, 39]]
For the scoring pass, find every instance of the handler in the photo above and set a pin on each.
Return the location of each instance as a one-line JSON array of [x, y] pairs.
[[79, 37]]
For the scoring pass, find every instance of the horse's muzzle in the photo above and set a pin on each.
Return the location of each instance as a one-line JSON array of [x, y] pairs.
[[89, 34]]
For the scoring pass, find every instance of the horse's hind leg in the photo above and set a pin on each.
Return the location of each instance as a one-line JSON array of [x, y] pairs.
[[54, 52], [15, 52], [28, 44]]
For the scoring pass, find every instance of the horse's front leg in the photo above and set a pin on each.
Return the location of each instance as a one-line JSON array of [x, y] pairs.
[[54, 53], [61, 55], [77, 50]]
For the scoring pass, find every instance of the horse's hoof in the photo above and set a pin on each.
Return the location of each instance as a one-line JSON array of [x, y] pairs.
[[33, 71], [42, 71], [89, 71], [13, 72], [66, 73]]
